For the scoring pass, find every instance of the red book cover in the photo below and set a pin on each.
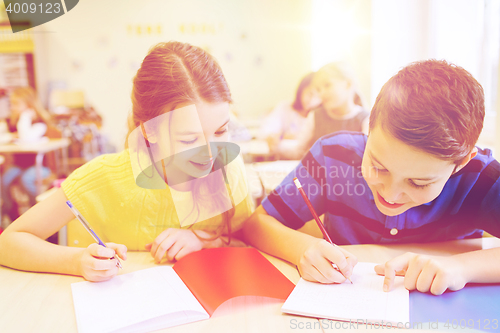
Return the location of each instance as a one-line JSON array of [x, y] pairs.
[[216, 275]]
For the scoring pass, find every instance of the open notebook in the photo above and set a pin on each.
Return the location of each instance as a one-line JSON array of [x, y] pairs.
[[165, 296], [364, 301]]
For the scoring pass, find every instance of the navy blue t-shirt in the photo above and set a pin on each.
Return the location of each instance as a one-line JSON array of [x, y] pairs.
[[330, 174]]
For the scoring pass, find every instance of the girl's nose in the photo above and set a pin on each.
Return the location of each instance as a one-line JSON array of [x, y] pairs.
[[206, 151]]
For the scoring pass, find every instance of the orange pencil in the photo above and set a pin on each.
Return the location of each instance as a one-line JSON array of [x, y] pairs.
[[316, 218]]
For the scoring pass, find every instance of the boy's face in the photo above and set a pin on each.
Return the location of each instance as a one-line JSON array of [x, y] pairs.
[[400, 176]]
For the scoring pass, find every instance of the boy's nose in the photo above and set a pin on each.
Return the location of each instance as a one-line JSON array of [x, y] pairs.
[[391, 192]]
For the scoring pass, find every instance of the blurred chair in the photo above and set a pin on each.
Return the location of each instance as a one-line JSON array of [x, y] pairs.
[[79, 123]]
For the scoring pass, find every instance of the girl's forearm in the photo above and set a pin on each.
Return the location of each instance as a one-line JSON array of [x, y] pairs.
[[25, 251]]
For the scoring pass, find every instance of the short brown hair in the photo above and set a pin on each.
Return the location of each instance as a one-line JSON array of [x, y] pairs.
[[434, 106]]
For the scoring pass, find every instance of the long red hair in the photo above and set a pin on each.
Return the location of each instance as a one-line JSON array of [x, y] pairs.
[[174, 74]]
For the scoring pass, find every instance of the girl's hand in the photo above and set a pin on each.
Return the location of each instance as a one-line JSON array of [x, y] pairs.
[[175, 244], [424, 273], [273, 142], [95, 263], [316, 263]]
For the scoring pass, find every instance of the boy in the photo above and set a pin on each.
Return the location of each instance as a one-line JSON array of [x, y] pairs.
[[417, 177]]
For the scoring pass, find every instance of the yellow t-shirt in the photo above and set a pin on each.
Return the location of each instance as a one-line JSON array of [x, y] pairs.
[[105, 192]]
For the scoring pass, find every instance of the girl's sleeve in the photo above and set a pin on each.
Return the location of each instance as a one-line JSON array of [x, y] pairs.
[[273, 122], [296, 148], [244, 206]]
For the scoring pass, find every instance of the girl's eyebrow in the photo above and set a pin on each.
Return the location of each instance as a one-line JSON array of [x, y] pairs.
[[420, 179], [191, 133], [227, 121]]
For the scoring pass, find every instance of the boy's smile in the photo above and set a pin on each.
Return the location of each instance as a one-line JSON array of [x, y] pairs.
[[400, 176]]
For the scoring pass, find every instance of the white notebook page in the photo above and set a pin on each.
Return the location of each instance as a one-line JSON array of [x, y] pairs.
[[364, 300], [135, 302]]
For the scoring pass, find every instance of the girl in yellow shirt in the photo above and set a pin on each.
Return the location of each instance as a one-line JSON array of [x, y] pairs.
[[178, 187]]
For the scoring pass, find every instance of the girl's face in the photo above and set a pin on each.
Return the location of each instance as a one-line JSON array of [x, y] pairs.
[[400, 176], [333, 91], [309, 98], [194, 134]]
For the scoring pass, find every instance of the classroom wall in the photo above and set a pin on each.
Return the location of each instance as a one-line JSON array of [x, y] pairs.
[[262, 46], [341, 31], [463, 32]]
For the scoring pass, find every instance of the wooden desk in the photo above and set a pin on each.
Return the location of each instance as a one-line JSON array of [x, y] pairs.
[[36, 302], [40, 149], [272, 173], [255, 150]]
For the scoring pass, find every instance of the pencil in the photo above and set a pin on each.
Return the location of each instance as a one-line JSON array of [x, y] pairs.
[[316, 218], [89, 229]]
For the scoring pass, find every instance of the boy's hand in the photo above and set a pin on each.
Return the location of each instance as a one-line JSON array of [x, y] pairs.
[[424, 273], [175, 244], [316, 263], [95, 263]]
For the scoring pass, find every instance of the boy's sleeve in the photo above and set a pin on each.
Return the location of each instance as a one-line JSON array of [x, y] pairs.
[[490, 221], [487, 196], [285, 202]]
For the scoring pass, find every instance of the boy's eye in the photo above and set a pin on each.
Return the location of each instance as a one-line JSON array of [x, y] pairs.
[[188, 142], [412, 183], [377, 168]]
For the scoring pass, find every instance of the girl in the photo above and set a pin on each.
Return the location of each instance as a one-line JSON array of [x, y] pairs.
[[177, 188], [287, 119], [341, 109]]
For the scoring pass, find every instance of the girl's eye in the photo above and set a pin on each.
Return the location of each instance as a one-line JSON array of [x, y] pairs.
[[188, 142], [221, 132], [412, 183]]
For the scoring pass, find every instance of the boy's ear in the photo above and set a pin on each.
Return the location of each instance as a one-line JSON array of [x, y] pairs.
[[466, 160], [150, 137]]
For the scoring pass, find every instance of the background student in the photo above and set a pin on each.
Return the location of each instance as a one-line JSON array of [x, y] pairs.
[[30, 121], [417, 177], [180, 113], [287, 119], [341, 109]]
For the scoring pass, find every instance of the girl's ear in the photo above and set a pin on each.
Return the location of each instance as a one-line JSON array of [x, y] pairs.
[[150, 137]]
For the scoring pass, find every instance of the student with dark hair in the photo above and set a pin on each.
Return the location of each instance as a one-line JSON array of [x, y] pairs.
[[341, 109], [287, 119], [417, 177], [177, 188]]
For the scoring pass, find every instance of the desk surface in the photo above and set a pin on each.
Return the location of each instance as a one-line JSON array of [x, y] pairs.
[[36, 302], [42, 147], [273, 172]]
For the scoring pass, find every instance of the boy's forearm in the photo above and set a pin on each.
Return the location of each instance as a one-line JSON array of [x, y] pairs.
[[24, 251], [482, 266], [267, 234]]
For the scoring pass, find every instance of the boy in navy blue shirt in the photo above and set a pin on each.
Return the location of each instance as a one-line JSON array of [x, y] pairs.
[[417, 177]]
